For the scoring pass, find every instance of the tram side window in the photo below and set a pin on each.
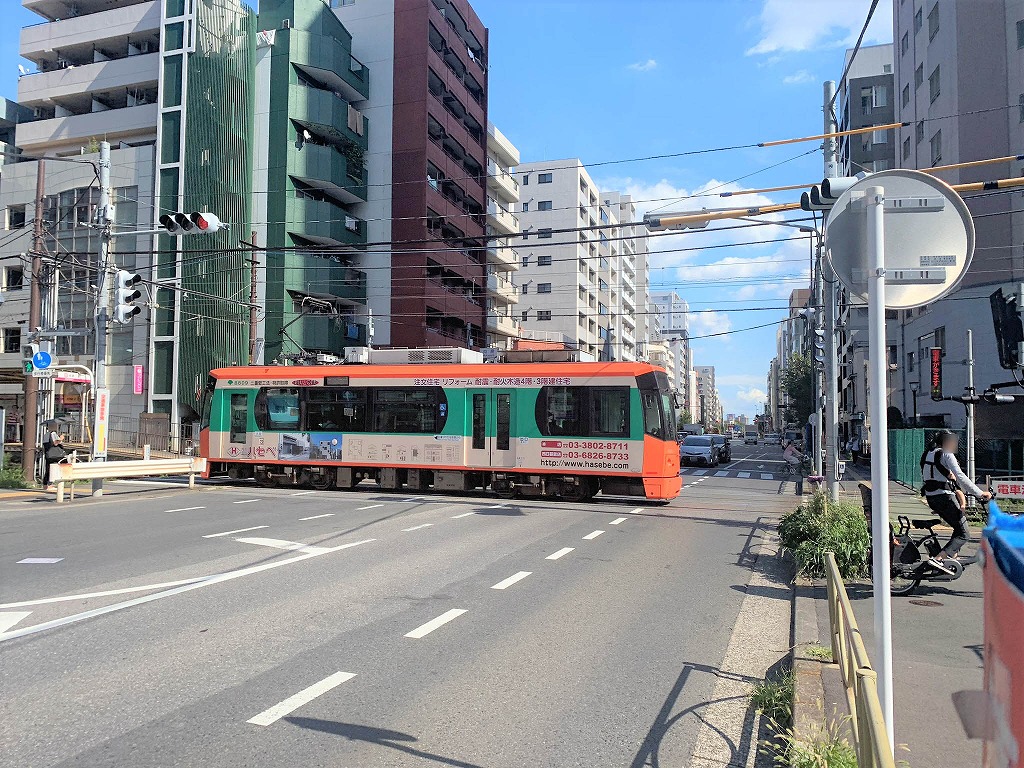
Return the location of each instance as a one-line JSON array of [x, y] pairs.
[[561, 411], [418, 410], [239, 418], [336, 409], [277, 408], [609, 407], [651, 402]]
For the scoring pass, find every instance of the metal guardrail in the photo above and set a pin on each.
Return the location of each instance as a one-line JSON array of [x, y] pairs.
[[90, 470], [871, 740]]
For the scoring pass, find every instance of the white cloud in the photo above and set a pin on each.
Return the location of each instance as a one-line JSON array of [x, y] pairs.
[[752, 395], [643, 66], [738, 380], [706, 323], [788, 26], [798, 78]]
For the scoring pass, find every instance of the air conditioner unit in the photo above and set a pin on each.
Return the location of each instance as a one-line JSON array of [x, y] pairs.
[[357, 355], [286, 24], [421, 356], [145, 46], [37, 112]]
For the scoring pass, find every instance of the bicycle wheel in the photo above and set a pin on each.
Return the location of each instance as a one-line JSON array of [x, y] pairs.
[[901, 583]]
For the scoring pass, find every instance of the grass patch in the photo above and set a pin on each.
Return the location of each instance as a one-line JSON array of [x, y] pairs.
[[819, 652], [820, 525], [773, 697], [829, 749], [12, 477]]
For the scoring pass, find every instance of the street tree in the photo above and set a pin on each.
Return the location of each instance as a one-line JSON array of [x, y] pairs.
[[798, 388]]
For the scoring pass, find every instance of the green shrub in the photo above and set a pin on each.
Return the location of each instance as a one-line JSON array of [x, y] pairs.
[[819, 652], [12, 477], [773, 697], [821, 525], [828, 749]]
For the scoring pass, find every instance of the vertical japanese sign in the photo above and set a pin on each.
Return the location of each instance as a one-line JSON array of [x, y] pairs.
[[936, 372], [138, 379], [102, 419]]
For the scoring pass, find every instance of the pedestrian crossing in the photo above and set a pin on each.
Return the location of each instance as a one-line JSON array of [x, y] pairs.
[[740, 474]]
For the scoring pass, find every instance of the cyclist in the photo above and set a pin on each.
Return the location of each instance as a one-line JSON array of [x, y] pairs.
[[941, 474], [794, 457]]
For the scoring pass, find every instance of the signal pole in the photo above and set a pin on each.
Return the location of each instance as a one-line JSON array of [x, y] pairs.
[[101, 410], [30, 430], [831, 415], [253, 324]]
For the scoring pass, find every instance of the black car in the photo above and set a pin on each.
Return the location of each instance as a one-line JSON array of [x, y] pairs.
[[720, 444]]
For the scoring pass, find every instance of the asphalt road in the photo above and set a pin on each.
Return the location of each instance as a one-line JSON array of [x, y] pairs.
[[236, 626]]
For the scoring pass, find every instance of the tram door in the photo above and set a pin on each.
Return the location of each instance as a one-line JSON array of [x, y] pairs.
[[491, 443]]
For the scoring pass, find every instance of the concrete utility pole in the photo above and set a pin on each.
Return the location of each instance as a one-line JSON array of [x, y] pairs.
[[105, 222], [30, 429], [253, 324], [970, 406], [831, 420]]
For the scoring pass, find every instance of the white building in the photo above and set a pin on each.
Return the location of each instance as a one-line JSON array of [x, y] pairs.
[[672, 314], [502, 291]]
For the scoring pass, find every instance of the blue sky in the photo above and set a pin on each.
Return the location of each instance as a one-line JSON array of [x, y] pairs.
[[608, 80]]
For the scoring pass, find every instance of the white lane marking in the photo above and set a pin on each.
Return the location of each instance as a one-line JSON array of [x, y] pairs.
[[246, 501], [317, 517], [636, 511], [9, 618], [742, 474], [593, 535], [304, 696], [372, 506], [425, 629], [415, 498], [108, 593], [721, 474], [302, 493], [40, 560], [464, 514], [767, 476], [700, 472], [238, 530], [183, 509], [205, 581], [506, 583], [495, 506], [417, 527], [617, 520], [291, 546], [560, 553]]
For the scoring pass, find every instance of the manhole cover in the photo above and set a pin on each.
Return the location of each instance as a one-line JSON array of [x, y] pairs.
[[926, 603]]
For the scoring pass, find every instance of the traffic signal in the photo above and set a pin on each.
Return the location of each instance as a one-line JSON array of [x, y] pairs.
[[28, 351], [823, 196], [819, 345], [653, 222], [1008, 327], [195, 223], [125, 294]]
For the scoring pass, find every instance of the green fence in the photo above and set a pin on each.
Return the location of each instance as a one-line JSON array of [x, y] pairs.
[[905, 449]]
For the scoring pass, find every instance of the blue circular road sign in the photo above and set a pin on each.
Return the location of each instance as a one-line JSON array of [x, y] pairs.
[[41, 360]]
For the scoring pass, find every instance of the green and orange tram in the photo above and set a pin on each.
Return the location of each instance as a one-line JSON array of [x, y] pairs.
[[564, 430]]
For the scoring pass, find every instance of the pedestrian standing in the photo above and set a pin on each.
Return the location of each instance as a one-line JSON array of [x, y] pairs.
[[53, 450], [855, 448]]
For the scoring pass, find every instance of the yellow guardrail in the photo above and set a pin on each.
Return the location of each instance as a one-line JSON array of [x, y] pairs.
[[870, 737]]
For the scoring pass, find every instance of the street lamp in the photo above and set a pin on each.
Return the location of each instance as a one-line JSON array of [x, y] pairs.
[[915, 387]]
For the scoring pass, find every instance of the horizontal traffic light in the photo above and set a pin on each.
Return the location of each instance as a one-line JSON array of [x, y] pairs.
[[822, 197], [195, 223]]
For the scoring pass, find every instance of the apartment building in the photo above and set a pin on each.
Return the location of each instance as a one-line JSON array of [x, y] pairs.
[[502, 260], [710, 408], [790, 340], [427, 208], [587, 283], [672, 314]]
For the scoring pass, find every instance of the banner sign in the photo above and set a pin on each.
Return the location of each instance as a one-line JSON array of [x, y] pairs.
[[102, 419], [138, 379], [936, 372]]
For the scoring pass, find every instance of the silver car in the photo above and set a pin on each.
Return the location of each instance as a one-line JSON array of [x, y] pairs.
[[697, 449]]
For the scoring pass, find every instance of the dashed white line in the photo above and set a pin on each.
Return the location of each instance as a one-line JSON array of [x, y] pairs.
[[246, 501], [317, 517], [290, 546], [464, 514], [495, 506], [593, 535], [302, 493], [636, 511], [722, 473], [700, 472], [743, 474], [237, 530], [417, 527], [183, 509], [767, 476], [372, 506], [40, 560], [618, 520], [506, 583], [425, 629], [304, 696], [560, 553]]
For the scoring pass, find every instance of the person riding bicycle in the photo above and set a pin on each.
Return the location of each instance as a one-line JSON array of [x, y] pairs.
[[794, 457], [941, 474]]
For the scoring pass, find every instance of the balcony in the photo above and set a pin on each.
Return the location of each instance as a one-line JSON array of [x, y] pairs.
[[323, 221], [326, 333], [499, 217], [335, 66], [41, 42], [325, 114], [327, 169], [501, 256], [502, 183], [112, 124], [501, 324], [501, 146], [89, 78], [501, 289]]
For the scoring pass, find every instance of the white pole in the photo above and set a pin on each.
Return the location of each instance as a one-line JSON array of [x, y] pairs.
[[102, 298], [880, 534], [970, 406]]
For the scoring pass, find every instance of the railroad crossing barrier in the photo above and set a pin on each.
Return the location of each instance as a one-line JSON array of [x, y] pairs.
[[859, 679], [90, 470]]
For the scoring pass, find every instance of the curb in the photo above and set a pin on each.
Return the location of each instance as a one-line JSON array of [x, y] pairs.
[[808, 688]]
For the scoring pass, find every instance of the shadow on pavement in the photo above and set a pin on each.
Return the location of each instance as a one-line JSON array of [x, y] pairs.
[[380, 736]]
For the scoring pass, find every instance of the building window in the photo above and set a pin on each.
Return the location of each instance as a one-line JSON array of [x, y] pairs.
[[906, 148], [583, 187], [1020, 35], [543, 287], [543, 261], [544, 205], [583, 320], [602, 309], [936, 144], [918, 76], [905, 43], [12, 339], [526, 207], [933, 84], [543, 178], [879, 96], [880, 137], [583, 213], [906, 95], [919, 132], [15, 216], [918, 20], [525, 261], [940, 338], [526, 315], [583, 267], [910, 362], [14, 279], [543, 314], [602, 285], [583, 293], [887, 69], [524, 289], [933, 22], [865, 101], [1020, 100], [544, 234]]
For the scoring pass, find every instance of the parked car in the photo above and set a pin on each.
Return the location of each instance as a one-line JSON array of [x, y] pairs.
[[750, 438], [721, 445], [773, 438], [697, 449]]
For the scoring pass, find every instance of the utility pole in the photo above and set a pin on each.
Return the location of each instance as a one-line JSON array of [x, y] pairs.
[[831, 420], [814, 325], [253, 325], [30, 430], [102, 405], [970, 405]]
